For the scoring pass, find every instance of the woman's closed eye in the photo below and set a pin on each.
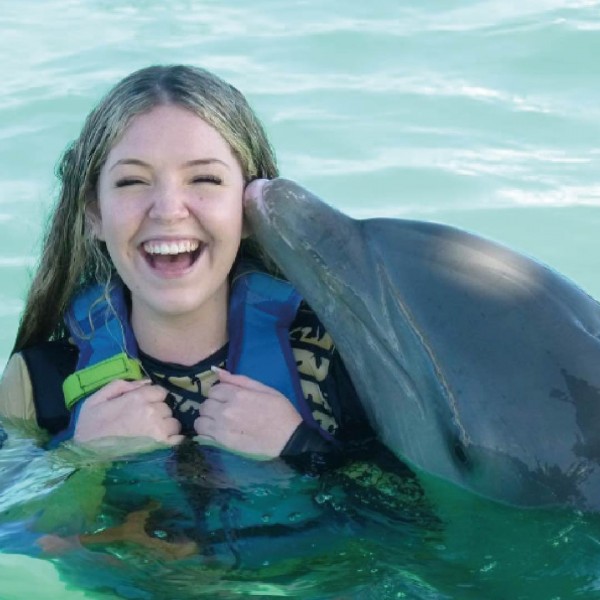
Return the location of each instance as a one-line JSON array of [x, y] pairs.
[[128, 181], [215, 179]]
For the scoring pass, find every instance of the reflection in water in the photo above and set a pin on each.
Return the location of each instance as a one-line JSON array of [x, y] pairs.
[[206, 527], [161, 521]]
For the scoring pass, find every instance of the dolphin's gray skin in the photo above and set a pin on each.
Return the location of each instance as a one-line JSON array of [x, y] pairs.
[[474, 363]]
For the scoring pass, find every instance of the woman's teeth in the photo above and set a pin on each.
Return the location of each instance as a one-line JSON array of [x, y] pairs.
[[171, 247], [170, 257]]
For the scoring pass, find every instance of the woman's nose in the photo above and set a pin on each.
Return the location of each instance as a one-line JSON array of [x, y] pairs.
[[169, 204]]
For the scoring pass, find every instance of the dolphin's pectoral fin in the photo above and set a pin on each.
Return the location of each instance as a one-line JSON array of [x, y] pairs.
[[133, 530]]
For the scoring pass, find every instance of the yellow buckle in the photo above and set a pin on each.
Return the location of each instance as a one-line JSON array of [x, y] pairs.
[[86, 381]]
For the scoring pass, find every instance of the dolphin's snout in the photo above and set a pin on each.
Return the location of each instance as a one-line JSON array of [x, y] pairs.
[[253, 194]]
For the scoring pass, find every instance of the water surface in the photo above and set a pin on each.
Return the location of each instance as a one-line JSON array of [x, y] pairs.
[[482, 114]]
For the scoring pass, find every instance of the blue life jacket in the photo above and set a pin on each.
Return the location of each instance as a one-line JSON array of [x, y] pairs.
[[261, 311]]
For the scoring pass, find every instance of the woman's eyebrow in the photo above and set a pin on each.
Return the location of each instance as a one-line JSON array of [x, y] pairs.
[[130, 161], [204, 161], [189, 163]]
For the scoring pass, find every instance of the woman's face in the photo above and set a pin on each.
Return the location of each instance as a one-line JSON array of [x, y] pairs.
[[170, 211]]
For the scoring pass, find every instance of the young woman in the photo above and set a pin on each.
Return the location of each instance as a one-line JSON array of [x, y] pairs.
[[153, 315], [132, 305]]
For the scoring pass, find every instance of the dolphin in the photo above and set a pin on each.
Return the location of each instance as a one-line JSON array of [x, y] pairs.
[[475, 364]]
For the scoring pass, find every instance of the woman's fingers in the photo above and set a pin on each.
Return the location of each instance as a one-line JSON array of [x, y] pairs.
[[240, 380], [246, 416], [114, 389], [128, 409]]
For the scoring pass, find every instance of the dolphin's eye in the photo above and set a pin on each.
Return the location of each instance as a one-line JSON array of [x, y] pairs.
[[459, 452]]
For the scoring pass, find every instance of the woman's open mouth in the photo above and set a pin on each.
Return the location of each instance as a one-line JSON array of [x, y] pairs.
[[170, 257]]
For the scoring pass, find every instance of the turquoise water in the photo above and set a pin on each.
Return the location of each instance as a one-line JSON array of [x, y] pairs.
[[480, 114]]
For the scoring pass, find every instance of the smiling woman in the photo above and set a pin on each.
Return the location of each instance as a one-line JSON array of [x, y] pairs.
[[154, 309], [169, 208]]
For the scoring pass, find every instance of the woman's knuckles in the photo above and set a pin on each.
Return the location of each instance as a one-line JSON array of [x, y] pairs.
[[120, 388]]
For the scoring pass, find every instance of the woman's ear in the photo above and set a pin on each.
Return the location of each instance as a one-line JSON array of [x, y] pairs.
[[94, 218]]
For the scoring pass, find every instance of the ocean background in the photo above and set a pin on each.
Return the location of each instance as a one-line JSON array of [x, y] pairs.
[[483, 114]]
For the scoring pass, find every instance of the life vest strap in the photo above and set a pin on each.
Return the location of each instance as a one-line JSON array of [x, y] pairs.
[[262, 309], [86, 381]]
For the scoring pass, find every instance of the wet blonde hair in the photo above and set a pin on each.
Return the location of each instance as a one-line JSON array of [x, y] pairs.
[[71, 256]]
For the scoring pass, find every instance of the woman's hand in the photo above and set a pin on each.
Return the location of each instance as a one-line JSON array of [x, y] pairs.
[[245, 416], [128, 409]]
